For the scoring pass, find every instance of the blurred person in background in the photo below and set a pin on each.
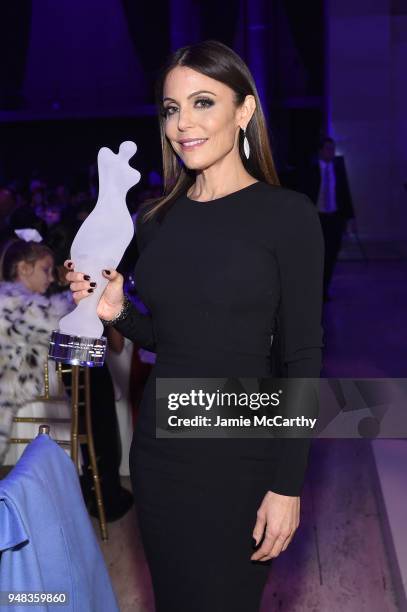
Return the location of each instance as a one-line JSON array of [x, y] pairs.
[[25, 217], [38, 199], [61, 197], [7, 204], [325, 181]]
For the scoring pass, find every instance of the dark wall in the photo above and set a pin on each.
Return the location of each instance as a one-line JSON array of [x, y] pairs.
[[58, 150]]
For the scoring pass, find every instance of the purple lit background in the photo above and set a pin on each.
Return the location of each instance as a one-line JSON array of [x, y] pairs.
[[76, 75]]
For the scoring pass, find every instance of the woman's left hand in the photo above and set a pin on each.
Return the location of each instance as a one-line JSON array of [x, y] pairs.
[[279, 516]]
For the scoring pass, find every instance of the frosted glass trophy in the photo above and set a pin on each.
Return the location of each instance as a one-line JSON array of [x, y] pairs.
[[99, 244]]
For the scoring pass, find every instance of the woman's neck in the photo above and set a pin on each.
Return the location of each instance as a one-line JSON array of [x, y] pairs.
[[216, 182]]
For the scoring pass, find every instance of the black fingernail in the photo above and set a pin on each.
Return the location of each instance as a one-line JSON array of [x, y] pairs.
[[254, 543], [86, 276], [92, 284], [90, 290], [107, 271]]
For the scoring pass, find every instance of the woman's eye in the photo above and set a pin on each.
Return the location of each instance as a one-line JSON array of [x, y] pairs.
[[206, 103], [166, 111]]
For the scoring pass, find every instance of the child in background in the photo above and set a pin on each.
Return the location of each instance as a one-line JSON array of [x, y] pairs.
[[27, 318]]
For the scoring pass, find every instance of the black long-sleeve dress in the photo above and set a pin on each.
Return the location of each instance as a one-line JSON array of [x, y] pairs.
[[234, 288]]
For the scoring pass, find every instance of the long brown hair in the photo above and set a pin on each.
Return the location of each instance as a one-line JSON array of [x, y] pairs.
[[217, 61]]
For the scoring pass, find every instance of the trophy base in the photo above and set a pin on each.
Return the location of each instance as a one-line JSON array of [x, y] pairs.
[[75, 350]]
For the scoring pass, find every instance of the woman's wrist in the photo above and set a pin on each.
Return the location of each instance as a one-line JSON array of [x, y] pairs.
[[122, 314]]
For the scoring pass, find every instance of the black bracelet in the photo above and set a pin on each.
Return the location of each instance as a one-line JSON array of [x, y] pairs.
[[121, 315]]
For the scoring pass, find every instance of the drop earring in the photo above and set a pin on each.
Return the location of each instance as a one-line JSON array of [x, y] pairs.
[[246, 146]]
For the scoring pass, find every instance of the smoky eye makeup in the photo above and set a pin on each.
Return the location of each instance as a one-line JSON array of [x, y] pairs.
[[202, 102], [165, 111], [206, 102]]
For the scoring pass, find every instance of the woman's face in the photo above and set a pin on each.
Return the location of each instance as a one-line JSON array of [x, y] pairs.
[[198, 108], [37, 276]]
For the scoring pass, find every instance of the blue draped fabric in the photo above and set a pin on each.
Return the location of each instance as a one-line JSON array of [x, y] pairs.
[[47, 541]]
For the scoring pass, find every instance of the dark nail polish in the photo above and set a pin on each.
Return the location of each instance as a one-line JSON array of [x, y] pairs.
[[92, 284], [254, 543], [90, 290], [86, 276], [107, 271]]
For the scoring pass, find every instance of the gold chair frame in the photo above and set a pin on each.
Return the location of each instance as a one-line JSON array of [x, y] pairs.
[[76, 437]]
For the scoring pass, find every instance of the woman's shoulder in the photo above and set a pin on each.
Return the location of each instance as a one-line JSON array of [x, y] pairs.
[[284, 199], [286, 217], [282, 206]]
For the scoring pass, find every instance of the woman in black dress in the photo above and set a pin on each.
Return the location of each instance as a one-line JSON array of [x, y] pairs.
[[230, 269]]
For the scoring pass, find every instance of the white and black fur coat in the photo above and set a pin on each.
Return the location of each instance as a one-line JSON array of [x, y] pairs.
[[26, 322]]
